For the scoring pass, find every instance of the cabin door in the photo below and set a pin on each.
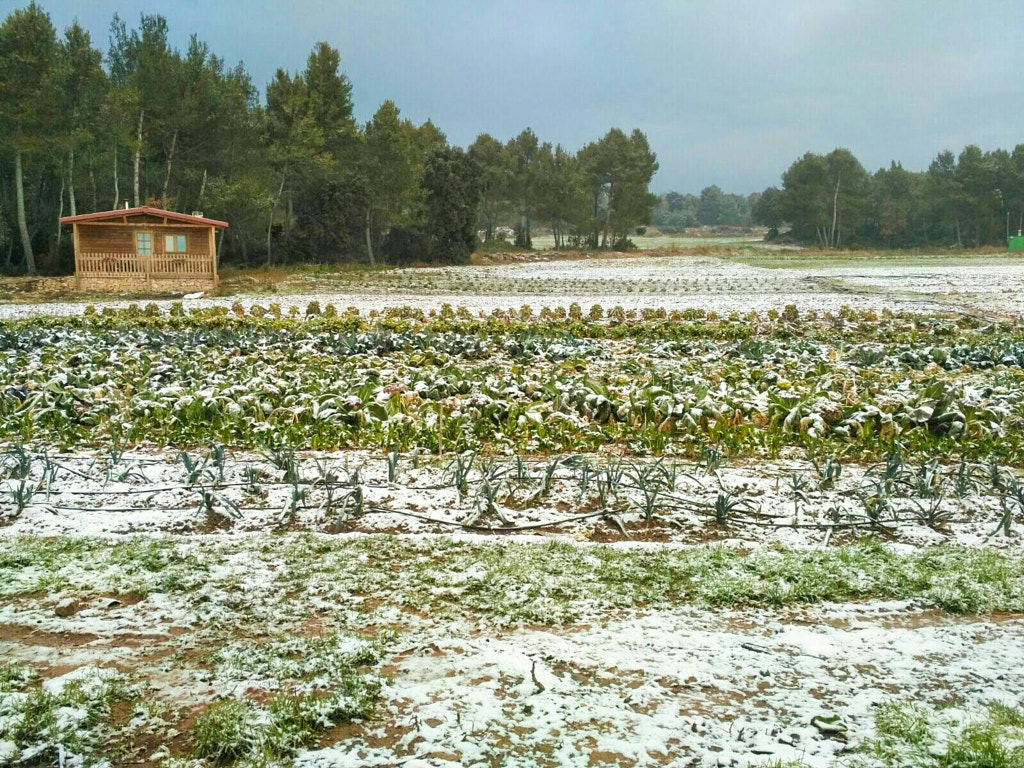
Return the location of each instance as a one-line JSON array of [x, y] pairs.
[[144, 249]]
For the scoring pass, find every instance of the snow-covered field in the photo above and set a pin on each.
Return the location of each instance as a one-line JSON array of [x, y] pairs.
[[797, 546], [635, 282], [775, 503]]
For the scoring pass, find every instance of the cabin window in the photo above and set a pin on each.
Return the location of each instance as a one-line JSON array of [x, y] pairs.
[[174, 244], [144, 243]]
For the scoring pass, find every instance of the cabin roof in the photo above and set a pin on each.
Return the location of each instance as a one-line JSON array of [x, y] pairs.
[[144, 209]]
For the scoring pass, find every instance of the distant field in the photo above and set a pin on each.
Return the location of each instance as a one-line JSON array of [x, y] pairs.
[[647, 242], [731, 278], [817, 259]]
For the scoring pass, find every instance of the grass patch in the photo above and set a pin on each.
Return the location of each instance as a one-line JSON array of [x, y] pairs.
[[909, 735], [309, 662], [506, 583], [322, 682], [66, 723], [241, 731]]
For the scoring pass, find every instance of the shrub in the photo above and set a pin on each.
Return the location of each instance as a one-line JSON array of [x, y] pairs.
[[405, 245]]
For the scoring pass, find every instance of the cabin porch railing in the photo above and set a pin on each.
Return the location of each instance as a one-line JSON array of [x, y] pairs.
[[156, 267]]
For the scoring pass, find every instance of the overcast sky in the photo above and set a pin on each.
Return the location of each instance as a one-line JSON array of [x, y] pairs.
[[729, 93]]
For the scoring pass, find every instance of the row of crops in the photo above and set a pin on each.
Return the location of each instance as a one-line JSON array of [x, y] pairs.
[[849, 386]]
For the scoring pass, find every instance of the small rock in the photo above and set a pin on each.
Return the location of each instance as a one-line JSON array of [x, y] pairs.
[[831, 726], [66, 607], [112, 602]]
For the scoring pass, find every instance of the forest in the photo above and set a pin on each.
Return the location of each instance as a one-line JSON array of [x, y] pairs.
[[968, 200], [289, 167], [972, 199]]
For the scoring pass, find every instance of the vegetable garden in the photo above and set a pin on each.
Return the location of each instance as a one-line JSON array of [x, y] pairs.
[[329, 537]]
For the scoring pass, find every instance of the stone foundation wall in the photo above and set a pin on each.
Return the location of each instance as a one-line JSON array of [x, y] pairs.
[[143, 284]]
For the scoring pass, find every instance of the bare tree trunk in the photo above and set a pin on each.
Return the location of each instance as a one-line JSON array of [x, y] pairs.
[[959, 241], [26, 241], [220, 247], [60, 213], [167, 172], [92, 181], [138, 158], [369, 243], [71, 182], [117, 190], [835, 213], [273, 210], [202, 191]]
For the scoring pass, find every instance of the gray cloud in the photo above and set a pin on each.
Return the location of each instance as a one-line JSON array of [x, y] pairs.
[[728, 93]]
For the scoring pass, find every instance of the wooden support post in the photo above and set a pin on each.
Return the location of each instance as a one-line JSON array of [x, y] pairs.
[[213, 255], [78, 264]]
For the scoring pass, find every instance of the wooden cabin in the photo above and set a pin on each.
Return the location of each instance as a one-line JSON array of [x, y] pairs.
[[144, 249]]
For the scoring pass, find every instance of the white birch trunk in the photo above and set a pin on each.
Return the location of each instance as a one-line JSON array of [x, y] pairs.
[[369, 243], [26, 241], [202, 191], [71, 182], [60, 212], [137, 160], [835, 213], [273, 210], [117, 190], [167, 172]]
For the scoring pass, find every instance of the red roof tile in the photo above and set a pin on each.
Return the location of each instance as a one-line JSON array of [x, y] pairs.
[[117, 214]]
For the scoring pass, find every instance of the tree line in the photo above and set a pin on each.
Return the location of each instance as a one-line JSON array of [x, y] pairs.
[[972, 199], [594, 198], [711, 208], [293, 172]]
